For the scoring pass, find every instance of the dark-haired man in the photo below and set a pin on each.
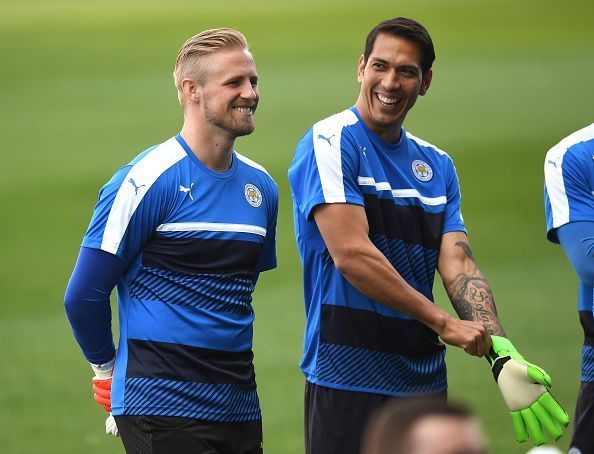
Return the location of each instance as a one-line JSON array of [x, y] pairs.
[[377, 211]]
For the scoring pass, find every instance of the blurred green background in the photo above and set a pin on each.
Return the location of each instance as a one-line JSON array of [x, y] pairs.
[[86, 85]]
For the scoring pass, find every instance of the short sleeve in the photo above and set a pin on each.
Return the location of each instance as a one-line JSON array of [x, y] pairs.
[[578, 174], [126, 214], [325, 170], [453, 221], [569, 187], [268, 256]]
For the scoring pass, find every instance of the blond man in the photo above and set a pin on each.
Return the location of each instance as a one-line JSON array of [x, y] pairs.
[[183, 231]]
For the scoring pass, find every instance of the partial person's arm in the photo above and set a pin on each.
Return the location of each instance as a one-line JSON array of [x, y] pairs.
[[577, 239], [466, 286], [345, 231], [95, 275], [523, 385]]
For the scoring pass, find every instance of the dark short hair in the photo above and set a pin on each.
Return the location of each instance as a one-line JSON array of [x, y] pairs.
[[408, 29], [389, 429]]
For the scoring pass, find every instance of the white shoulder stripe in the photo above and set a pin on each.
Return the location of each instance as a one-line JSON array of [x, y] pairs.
[[553, 170], [251, 163], [327, 136], [402, 193], [211, 227], [424, 143], [138, 181]]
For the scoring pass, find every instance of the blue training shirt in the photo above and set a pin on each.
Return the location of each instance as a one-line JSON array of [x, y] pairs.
[[569, 197], [411, 197], [194, 241]]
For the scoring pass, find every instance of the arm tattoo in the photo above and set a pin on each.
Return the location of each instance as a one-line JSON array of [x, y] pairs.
[[466, 248], [472, 297]]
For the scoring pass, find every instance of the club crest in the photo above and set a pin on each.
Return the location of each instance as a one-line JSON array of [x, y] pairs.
[[252, 195], [421, 170]]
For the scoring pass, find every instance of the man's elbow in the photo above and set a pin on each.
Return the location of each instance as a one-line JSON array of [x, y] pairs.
[[585, 273], [72, 304], [348, 259]]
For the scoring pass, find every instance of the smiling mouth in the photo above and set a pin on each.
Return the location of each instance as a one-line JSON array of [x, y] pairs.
[[244, 109], [387, 102]]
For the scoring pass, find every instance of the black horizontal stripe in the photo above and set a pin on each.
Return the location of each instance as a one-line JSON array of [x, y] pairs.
[[202, 256], [587, 322], [372, 331], [409, 223], [151, 359]]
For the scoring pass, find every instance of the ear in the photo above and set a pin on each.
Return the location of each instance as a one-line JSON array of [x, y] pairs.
[[426, 82], [191, 89], [361, 69]]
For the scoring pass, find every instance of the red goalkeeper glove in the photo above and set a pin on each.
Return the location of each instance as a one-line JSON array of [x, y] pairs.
[[102, 383]]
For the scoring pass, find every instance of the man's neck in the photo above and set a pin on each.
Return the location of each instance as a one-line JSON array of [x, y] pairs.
[[212, 146], [389, 134]]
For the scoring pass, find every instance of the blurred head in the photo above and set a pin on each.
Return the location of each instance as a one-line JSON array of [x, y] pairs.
[[423, 427], [215, 76], [393, 71]]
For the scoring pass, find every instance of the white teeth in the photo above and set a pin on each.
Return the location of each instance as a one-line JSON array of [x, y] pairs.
[[244, 109], [388, 100]]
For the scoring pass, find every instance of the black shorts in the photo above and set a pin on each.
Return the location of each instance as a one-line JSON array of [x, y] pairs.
[[335, 419], [582, 440], [168, 435]]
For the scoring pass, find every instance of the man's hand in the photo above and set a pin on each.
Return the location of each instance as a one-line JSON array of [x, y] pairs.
[[471, 336], [102, 383], [524, 389]]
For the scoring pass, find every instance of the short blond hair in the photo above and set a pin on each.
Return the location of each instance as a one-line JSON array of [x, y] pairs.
[[190, 61]]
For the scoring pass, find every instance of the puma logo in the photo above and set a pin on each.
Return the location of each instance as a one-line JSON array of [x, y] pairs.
[[188, 190], [327, 139], [136, 188]]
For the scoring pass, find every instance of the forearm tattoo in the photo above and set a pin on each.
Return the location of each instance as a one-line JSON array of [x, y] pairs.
[[472, 297]]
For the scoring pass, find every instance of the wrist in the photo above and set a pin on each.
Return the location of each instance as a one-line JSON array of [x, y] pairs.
[[439, 322], [103, 371]]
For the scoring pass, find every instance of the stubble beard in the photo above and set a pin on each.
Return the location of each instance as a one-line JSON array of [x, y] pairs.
[[227, 122]]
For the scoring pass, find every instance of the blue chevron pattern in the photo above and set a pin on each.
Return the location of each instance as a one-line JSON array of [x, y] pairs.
[[587, 363], [412, 261], [392, 374], [222, 403], [208, 291]]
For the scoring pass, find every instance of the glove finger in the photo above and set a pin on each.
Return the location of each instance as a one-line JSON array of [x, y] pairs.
[[102, 400], [103, 384], [519, 426], [110, 427], [533, 426], [547, 422], [539, 375], [107, 408], [553, 408], [101, 392]]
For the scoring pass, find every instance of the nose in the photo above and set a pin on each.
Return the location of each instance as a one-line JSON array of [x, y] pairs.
[[249, 91], [391, 80]]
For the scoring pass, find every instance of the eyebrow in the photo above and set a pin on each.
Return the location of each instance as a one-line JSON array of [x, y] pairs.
[[386, 62]]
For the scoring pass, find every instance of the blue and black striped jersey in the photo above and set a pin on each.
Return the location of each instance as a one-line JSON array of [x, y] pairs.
[[411, 197], [569, 197], [194, 241]]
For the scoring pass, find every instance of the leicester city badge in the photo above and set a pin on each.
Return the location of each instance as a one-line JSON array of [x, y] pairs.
[[422, 170], [252, 195]]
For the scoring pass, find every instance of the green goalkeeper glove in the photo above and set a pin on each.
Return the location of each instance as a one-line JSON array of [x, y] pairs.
[[524, 389]]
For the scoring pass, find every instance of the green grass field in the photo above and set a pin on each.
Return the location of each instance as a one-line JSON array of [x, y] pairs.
[[86, 85]]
